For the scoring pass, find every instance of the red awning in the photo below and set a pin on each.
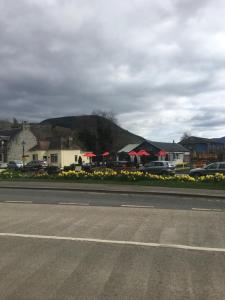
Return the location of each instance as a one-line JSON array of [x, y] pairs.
[[162, 153], [106, 153], [132, 153], [89, 154], [142, 153]]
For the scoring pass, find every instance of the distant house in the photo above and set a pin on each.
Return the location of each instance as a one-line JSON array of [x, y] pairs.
[[14, 143], [58, 151], [203, 150], [175, 153]]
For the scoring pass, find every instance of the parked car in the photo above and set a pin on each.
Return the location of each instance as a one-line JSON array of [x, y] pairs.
[[119, 165], [52, 170], [217, 167], [15, 165], [159, 167], [3, 165], [35, 165]]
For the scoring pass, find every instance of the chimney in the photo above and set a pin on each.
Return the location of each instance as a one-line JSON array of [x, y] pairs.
[[25, 125], [70, 141]]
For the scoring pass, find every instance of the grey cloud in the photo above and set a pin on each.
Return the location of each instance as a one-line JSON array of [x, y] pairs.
[[157, 64]]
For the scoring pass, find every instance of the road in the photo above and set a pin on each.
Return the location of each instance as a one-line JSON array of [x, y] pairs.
[[71, 245]]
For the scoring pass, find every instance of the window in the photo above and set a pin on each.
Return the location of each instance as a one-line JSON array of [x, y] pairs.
[[222, 166], [54, 158], [45, 158], [158, 164], [211, 167], [175, 156], [75, 158]]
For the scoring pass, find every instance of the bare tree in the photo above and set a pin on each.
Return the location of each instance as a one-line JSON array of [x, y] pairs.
[[15, 123], [110, 115], [185, 135]]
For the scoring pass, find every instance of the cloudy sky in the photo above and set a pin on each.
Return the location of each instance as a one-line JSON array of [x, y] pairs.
[[159, 65]]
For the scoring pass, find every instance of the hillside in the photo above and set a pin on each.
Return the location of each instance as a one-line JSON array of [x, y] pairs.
[[92, 132], [221, 140]]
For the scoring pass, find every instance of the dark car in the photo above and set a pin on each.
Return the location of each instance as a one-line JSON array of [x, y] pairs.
[[52, 170], [119, 165], [211, 169], [35, 165], [159, 167]]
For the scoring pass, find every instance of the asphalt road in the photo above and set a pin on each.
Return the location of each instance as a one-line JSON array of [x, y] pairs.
[[103, 246], [107, 199]]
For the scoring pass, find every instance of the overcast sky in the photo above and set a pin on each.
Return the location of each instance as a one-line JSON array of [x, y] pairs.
[[159, 65]]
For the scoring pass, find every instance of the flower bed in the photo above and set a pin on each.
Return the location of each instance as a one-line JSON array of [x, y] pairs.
[[111, 175]]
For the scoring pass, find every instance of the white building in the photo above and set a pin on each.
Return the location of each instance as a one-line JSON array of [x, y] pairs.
[[15, 143], [175, 153], [55, 153]]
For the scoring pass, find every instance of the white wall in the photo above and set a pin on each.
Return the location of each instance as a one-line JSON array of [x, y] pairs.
[[65, 157], [179, 158], [15, 148]]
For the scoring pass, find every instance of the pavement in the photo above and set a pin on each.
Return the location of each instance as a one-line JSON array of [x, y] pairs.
[[112, 188]]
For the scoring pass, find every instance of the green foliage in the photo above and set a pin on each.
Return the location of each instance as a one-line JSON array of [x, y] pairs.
[[88, 139]]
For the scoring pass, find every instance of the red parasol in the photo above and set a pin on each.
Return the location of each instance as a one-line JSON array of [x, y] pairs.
[[142, 153], [106, 153], [89, 154], [162, 153], [132, 153]]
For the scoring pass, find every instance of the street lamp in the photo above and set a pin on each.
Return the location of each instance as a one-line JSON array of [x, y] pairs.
[[2, 150], [23, 145]]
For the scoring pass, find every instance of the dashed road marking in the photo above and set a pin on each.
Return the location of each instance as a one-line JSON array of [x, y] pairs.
[[137, 206], [206, 209], [73, 203], [113, 242], [17, 201]]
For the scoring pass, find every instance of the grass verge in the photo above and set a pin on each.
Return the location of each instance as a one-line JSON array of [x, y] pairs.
[[168, 184]]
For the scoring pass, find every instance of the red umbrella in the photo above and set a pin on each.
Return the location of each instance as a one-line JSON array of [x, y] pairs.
[[142, 153], [89, 154], [132, 153], [106, 153], [162, 153]]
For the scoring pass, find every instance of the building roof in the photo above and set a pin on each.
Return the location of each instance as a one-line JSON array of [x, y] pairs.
[[169, 147], [56, 143], [9, 133], [129, 148], [42, 145]]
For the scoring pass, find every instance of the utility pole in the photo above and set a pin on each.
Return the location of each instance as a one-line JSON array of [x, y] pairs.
[[23, 145]]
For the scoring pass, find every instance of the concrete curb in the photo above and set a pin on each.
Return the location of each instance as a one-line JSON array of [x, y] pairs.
[[113, 191]]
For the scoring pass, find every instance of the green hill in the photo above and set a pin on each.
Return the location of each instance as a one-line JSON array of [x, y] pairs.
[[94, 133]]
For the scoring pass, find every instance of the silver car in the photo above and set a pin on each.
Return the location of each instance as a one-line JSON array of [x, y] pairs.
[[15, 164], [159, 167], [217, 167]]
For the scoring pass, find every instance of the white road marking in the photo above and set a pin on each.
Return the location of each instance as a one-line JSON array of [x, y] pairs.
[[73, 203], [206, 209], [115, 242], [18, 201], [137, 206]]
